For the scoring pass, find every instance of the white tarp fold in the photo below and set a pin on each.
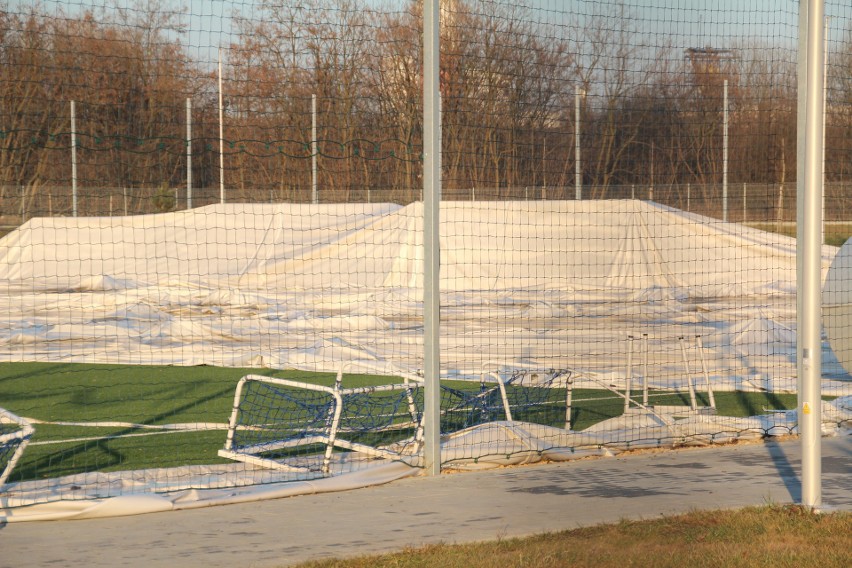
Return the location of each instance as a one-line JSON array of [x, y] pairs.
[[557, 284]]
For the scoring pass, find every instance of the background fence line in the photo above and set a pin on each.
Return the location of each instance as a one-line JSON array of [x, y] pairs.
[[748, 202]]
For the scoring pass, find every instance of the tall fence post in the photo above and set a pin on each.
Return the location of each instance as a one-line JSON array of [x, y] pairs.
[[809, 248], [725, 151], [314, 151], [824, 112], [221, 137], [578, 163], [431, 240], [189, 153], [73, 160]]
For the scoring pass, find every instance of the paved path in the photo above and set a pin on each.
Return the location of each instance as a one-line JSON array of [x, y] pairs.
[[447, 509]]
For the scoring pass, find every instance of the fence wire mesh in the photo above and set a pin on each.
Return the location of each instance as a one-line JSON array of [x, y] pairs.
[[197, 192]]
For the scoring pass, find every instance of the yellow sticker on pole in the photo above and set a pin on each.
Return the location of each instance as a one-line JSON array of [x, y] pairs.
[[806, 408]]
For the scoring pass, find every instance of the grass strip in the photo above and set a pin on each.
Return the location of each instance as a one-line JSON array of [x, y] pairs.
[[778, 536]]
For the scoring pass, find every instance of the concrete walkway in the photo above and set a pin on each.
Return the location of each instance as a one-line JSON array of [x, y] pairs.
[[452, 508]]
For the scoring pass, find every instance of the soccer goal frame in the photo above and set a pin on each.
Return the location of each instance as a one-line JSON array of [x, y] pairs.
[[12, 444], [532, 379], [325, 428]]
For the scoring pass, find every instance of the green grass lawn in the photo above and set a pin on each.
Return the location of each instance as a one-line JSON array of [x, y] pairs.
[[835, 234], [158, 395]]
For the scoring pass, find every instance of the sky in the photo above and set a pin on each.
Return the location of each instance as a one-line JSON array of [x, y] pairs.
[[684, 23]]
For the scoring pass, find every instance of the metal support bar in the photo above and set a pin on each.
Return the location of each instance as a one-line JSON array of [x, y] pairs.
[[73, 160], [314, 151], [189, 153], [569, 397], [645, 370], [809, 247], [693, 402], [700, 344], [725, 151], [628, 374], [221, 136], [578, 164], [431, 236]]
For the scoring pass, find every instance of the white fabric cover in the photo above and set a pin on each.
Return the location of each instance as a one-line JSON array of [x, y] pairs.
[[314, 287]]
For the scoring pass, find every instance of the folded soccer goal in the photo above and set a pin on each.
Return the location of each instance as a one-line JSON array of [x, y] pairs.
[[313, 430], [316, 430], [15, 434], [522, 395]]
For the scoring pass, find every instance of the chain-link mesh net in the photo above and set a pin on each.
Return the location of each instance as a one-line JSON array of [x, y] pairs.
[[198, 191]]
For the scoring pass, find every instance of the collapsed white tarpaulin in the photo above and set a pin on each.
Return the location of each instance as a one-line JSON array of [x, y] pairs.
[[620, 247], [526, 284]]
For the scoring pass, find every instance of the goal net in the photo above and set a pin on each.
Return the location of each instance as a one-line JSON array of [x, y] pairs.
[[15, 434], [314, 430]]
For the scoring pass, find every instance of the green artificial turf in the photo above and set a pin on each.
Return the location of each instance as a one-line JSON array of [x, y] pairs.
[[156, 395]]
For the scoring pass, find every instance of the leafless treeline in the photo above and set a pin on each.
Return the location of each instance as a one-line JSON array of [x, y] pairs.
[[509, 78]]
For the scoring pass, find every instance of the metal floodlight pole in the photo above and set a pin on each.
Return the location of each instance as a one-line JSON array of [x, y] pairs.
[[578, 164], [725, 151], [809, 248], [221, 137], [314, 150], [189, 153], [431, 235], [73, 160]]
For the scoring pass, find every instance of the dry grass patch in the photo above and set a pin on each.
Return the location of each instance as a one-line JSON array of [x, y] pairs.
[[757, 536]]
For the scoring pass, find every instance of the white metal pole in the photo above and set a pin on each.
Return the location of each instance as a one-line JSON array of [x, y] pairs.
[[314, 150], [651, 187], [824, 112], [725, 151], [578, 164], [73, 160], [628, 377], [645, 369], [189, 153], [221, 137], [809, 348], [431, 235], [801, 99]]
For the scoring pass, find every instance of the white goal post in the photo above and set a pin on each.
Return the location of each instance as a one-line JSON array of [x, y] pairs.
[[15, 434], [308, 429], [298, 419]]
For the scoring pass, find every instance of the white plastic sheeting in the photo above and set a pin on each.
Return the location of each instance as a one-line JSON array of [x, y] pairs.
[[546, 284], [837, 305], [602, 247], [524, 285]]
